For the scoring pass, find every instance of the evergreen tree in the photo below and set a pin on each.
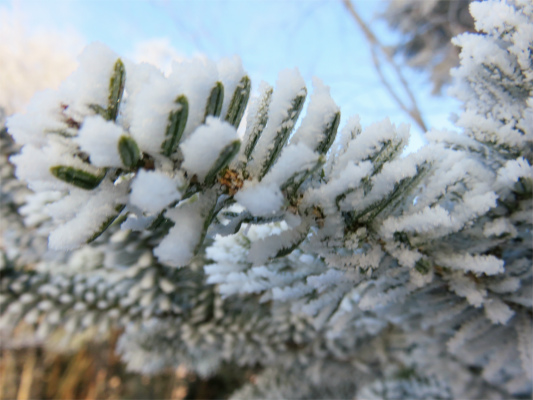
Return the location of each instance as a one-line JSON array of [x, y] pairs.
[[326, 261], [427, 28]]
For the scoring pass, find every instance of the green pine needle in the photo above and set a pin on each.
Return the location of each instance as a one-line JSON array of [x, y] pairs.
[[107, 223], [77, 177], [224, 158], [177, 120], [259, 123], [129, 151], [215, 100], [239, 101], [286, 126], [116, 90], [330, 131]]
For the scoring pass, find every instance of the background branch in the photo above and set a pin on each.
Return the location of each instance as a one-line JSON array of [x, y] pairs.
[[377, 47]]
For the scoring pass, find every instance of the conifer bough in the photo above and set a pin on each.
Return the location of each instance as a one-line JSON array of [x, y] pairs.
[[319, 255]]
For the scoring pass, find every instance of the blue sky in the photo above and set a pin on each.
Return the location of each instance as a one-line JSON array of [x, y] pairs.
[[317, 36]]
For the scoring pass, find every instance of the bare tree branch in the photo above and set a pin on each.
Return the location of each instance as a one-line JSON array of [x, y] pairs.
[[376, 47]]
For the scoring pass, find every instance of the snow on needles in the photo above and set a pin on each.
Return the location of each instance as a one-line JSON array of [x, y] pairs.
[[205, 144], [152, 191]]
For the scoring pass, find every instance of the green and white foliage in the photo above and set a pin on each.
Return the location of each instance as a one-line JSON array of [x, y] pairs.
[[323, 258]]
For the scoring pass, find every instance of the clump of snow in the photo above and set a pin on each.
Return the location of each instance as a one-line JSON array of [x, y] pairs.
[[149, 113], [89, 84], [204, 145], [196, 77], [33, 211], [261, 199], [466, 287], [495, 16], [66, 207], [152, 191], [139, 77], [99, 138], [158, 52]]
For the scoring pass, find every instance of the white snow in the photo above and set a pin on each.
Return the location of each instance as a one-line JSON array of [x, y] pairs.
[[293, 159], [44, 109], [497, 311], [196, 77], [349, 178], [89, 84], [99, 207], [370, 141], [230, 71], [152, 191], [513, 170], [33, 165], [424, 221], [177, 248], [498, 227], [479, 264], [261, 199], [466, 287], [150, 109], [320, 110], [256, 110], [204, 145], [289, 85], [99, 138], [263, 249]]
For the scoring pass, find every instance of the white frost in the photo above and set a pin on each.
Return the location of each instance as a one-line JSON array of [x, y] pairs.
[[99, 207], [488, 265], [320, 111], [289, 85], [177, 248]]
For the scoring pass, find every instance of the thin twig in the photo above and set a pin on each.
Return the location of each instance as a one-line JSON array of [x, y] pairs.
[[413, 111], [26, 378]]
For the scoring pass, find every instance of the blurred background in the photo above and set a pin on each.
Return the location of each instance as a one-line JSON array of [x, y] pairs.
[[381, 58]]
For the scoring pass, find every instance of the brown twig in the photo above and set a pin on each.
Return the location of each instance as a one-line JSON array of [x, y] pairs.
[[26, 378], [376, 47]]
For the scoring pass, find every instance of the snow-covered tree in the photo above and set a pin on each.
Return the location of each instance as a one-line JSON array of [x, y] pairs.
[[328, 262], [427, 28]]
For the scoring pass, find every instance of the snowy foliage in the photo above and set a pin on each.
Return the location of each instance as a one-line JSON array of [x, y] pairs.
[[321, 257]]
